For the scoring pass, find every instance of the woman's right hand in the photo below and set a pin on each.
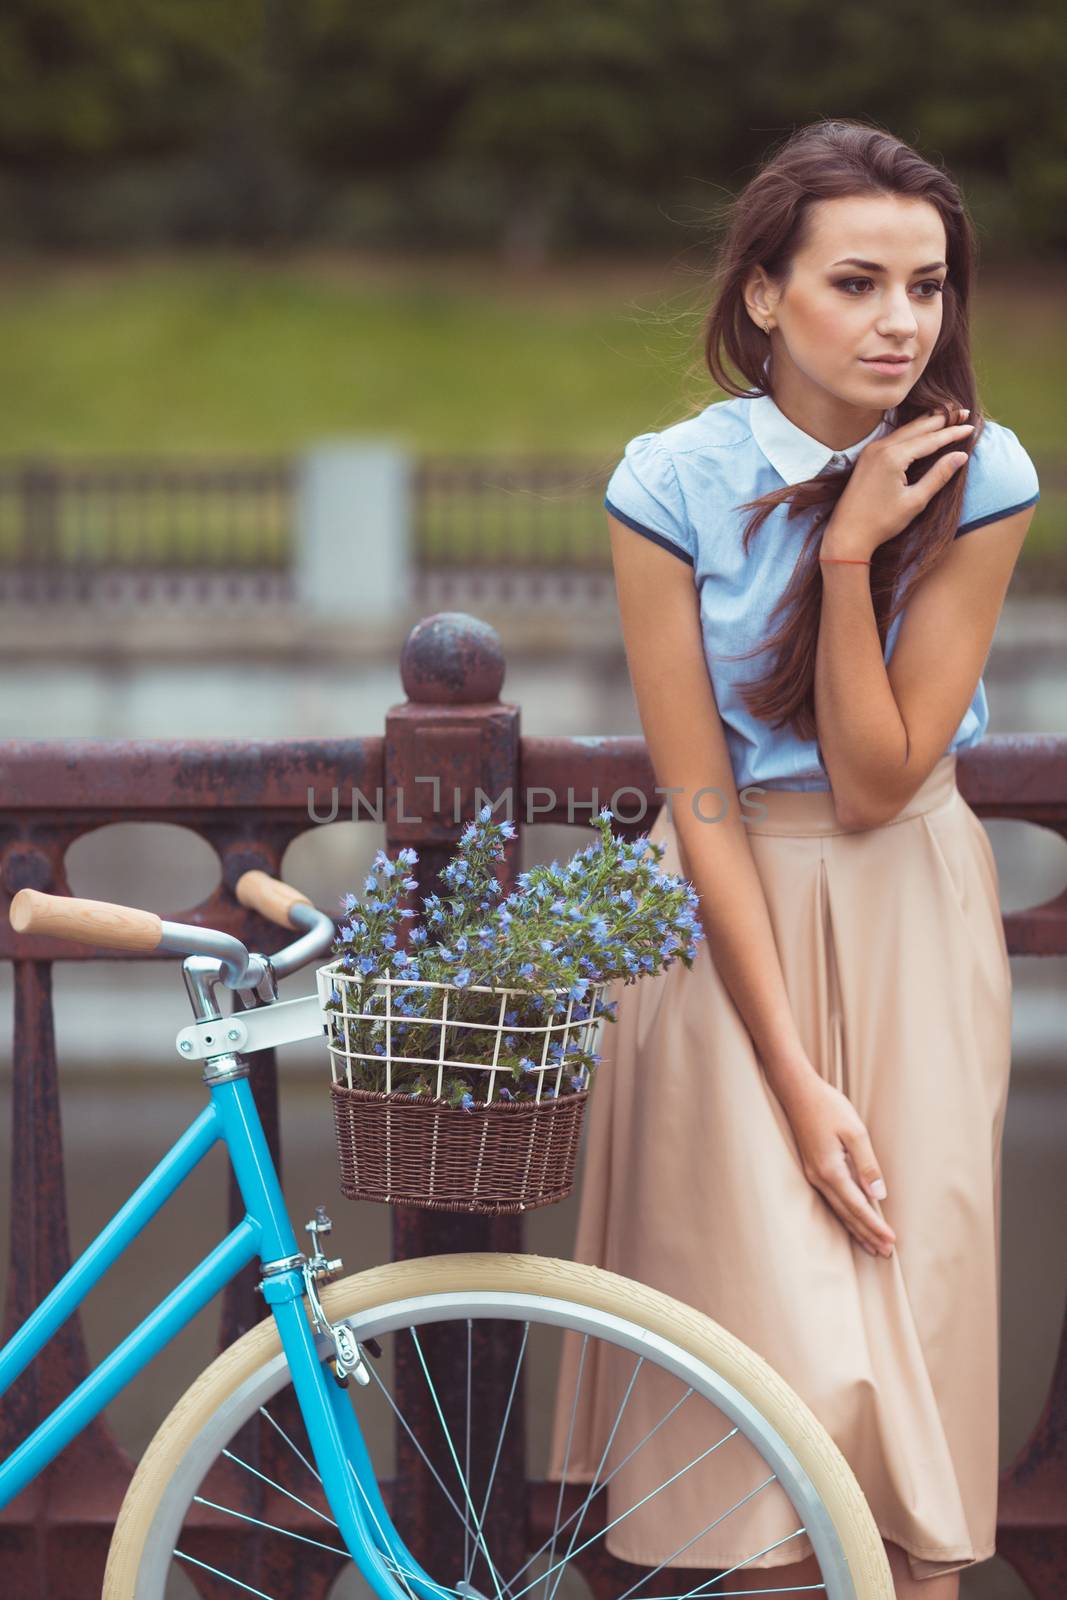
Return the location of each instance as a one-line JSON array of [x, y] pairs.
[[838, 1158]]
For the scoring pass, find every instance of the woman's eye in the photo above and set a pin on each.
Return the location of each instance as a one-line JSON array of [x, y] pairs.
[[928, 283]]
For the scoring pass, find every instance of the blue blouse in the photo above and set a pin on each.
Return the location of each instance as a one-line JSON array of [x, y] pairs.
[[681, 487]]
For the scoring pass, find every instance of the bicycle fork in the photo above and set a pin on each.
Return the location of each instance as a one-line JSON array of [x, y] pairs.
[[337, 1444]]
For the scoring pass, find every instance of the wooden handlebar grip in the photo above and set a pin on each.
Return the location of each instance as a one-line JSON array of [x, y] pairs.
[[269, 896], [58, 916]]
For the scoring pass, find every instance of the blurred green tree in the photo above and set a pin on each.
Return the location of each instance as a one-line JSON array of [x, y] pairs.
[[536, 127]]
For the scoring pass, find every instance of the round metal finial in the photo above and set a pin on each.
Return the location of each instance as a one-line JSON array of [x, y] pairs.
[[452, 658]]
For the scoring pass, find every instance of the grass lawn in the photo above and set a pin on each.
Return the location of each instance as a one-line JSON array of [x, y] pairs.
[[221, 354]]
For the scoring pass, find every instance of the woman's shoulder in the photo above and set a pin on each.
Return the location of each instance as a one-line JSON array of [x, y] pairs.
[[718, 429], [664, 473], [1001, 478]]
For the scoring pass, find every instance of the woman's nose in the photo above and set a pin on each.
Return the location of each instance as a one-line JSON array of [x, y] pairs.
[[898, 318]]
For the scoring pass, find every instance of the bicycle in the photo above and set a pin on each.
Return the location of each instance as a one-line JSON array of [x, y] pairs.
[[287, 1383]]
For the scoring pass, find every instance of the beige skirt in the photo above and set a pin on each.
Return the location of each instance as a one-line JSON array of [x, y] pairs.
[[895, 963]]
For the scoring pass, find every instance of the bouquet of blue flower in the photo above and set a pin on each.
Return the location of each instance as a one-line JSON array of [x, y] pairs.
[[495, 998]]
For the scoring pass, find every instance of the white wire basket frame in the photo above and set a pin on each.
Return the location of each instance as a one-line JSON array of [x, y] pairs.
[[564, 1028]]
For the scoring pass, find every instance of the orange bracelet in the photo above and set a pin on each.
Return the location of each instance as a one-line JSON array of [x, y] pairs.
[[851, 560]]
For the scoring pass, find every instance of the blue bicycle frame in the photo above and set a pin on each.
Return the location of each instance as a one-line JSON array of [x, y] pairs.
[[337, 1443]]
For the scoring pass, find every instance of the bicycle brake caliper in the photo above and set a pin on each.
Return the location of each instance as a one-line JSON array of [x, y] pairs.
[[348, 1360]]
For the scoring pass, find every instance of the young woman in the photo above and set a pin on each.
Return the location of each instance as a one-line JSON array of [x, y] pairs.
[[801, 1135]]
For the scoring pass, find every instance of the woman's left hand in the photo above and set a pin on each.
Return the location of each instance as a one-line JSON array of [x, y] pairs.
[[878, 502]]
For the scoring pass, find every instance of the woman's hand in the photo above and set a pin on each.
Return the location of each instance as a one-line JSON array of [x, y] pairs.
[[878, 502], [838, 1158]]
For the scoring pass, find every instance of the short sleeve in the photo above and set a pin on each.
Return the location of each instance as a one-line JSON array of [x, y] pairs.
[[644, 493], [1001, 479]]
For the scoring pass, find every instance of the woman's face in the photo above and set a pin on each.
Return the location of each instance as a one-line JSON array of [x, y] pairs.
[[831, 315]]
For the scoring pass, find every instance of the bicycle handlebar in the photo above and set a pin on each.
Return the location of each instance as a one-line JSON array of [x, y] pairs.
[[118, 927], [271, 897], [99, 922]]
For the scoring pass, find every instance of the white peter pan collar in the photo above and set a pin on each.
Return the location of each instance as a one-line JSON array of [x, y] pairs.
[[794, 454]]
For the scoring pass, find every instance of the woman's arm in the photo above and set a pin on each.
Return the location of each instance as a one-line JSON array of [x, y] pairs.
[[660, 617], [882, 730], [687, 746]]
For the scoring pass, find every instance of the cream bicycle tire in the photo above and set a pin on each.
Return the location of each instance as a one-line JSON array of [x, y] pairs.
[[593, 1290]]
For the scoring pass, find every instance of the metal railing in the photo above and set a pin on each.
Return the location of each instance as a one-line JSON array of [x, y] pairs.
[[249, 802], [521, 531], [503, 531]]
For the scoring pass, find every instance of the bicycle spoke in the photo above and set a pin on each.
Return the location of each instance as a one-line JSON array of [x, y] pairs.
[[500, 1440], [566, 1455], [795, 1588], [400, 1417], [225, 1576], [467, 1450], [452, 1451], [682, 1548], [298, 1453], [271, 1527], [706, 1588], [288, 1492], [551, 1595], [391, 1560], [667, 1415], [601, 1532], [384, 1548]]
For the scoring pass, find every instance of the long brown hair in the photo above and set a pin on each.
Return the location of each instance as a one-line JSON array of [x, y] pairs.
[[767, 225]]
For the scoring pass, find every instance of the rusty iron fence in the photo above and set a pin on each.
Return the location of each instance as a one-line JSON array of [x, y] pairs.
[[249, 801]]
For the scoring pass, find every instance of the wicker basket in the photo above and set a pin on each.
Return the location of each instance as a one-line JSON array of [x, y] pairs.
[[497, 1157]]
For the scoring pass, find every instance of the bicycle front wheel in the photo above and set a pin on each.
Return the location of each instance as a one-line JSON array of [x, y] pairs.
[[226, 1500]]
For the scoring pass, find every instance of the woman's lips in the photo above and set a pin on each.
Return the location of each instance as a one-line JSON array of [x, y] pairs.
[[890, 367]]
